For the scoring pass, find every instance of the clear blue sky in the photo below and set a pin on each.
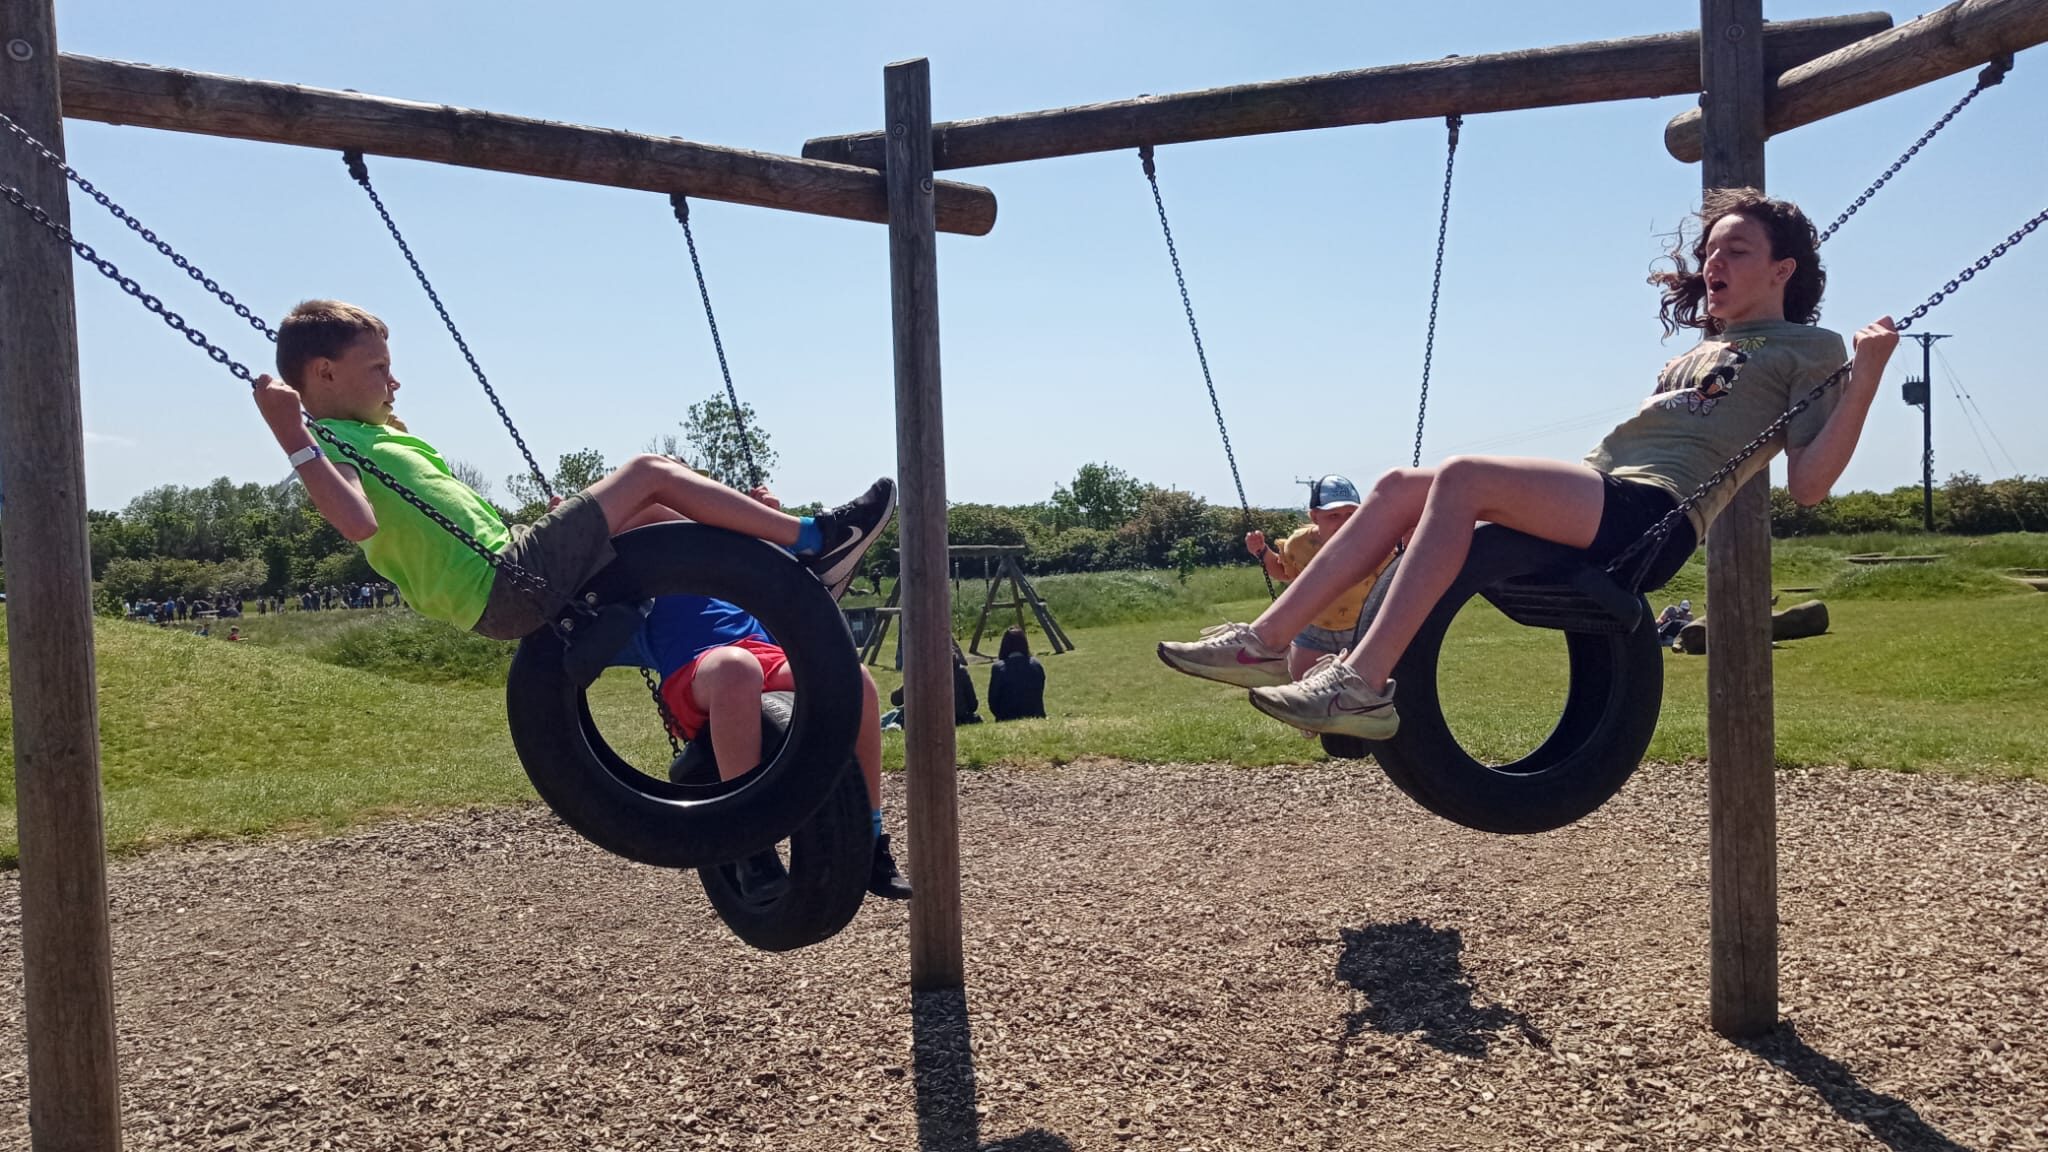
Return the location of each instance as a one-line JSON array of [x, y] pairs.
[[1308, 253]]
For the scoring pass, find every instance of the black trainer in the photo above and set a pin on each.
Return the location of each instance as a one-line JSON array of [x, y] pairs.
[[849, 531], [883, 879], [760, 878]]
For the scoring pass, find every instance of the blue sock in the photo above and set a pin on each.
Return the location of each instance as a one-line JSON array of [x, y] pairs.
[[875, 822], [808, 539]]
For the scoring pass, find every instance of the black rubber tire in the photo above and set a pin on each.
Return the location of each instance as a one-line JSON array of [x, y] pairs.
[[1611, 706], [654, 821], [829, 857]]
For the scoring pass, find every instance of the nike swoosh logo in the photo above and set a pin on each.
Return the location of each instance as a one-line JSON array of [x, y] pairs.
[[1244, 657]]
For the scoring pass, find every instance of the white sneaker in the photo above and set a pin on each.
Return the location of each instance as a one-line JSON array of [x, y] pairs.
[[1228, 654], [1332, 698]]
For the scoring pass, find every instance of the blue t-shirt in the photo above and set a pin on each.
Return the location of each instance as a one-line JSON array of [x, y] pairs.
[[681, 628]]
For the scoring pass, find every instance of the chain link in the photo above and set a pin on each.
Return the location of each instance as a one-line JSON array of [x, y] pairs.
[[1187, 305], [1436, 281], [1643, 552], [1993, 73], [668, 718], [361, 172], [681, 205]]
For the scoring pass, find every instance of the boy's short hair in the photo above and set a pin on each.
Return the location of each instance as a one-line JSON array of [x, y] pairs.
[[318, 329]]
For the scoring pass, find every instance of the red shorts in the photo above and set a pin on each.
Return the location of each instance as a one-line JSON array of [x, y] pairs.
[[682, 704]]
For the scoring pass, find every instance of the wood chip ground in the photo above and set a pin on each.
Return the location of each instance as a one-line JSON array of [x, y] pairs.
[[1178, 958]]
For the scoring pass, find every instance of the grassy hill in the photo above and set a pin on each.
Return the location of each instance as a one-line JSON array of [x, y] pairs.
[[321, 720]]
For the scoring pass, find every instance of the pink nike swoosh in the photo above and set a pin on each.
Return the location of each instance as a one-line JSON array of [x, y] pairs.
[[1244, 657]]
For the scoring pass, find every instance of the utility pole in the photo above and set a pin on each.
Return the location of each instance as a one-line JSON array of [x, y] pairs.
[[1921, 392]]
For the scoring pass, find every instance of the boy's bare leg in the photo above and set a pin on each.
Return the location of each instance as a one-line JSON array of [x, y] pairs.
[[728, 687], [1388, 512], [1550, 499], [867, 744], [648, 482]]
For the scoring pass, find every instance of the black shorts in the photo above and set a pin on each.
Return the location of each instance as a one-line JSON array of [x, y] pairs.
[[1630, 508], [565, 548]]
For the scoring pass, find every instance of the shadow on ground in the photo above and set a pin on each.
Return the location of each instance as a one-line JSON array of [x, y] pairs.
[[1887, 1118], [1413, 982], [943, 1061]]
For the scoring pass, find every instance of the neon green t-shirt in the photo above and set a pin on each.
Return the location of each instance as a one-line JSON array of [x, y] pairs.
[[440, 576], [1704, 409]]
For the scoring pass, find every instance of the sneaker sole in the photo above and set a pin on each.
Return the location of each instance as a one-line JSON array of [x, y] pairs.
[[839, 576], [1378, 726], [1237, 676]]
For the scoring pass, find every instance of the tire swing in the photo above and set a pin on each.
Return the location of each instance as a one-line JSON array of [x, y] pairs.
[[1611, 705], [655, 821], [828, 858]]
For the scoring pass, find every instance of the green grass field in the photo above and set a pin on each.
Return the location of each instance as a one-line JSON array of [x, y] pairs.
[[322, 720]]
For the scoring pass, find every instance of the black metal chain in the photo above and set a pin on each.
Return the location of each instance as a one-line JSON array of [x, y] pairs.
[[1993, 73], [668, 718], [681, 205], [134, 225], [1643, 552], [1187, 305], [361, 172], [1436, 280]]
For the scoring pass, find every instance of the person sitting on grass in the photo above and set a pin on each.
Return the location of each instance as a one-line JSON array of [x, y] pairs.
[[1331, 502], [715, 660], [1016, 681], [1753, 287], [336, 365]]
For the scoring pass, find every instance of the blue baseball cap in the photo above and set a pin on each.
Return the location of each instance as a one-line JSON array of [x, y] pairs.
[[1333, 492]]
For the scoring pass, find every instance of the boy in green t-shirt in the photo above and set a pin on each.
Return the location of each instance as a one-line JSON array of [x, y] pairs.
[[336, 365], [1752, 287]]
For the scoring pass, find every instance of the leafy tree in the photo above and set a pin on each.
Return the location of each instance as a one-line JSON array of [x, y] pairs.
[[574, 471], [1099, 497], [717, 447]]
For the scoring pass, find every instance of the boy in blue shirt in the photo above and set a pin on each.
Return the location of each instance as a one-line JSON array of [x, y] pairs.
[[715, 661]]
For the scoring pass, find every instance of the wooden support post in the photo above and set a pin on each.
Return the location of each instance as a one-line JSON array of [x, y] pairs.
[[116, 92], [66, 948], [1954, 39], [1742, 798], [1634, 68], [928, 752]]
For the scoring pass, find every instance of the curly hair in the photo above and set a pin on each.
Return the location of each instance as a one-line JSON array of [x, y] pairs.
[[1793, 237]]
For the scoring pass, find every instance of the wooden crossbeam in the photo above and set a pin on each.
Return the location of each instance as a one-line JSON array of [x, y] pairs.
[[1627, 69], [1953, 39], [117, 92]]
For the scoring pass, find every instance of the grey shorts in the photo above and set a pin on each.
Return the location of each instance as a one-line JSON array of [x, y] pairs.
[[565, 548], [1325, 639]]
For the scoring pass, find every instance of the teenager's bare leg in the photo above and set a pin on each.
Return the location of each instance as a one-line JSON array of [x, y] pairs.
[[867, 744], [728, 687], [657, 482], [1388, 512], [1550, 499]]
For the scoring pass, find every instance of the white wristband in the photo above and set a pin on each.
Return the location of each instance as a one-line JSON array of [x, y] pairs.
[[305, 456]]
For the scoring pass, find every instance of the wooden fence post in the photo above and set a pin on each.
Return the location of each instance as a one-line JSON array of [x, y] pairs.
[[66, 949], [934, 817], [1742, 799]]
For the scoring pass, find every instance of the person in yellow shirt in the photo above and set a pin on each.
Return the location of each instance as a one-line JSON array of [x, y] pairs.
[[1331, 501]]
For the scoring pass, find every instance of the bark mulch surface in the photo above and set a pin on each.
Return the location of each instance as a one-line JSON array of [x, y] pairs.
[[1157, 957]]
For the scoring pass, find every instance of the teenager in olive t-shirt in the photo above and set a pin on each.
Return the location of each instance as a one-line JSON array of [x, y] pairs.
[[1752, 285]]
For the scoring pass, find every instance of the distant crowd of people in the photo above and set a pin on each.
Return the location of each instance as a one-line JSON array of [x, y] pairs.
[[179, 609]]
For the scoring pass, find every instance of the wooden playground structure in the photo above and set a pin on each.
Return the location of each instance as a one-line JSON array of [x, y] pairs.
[[1754, 80]]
